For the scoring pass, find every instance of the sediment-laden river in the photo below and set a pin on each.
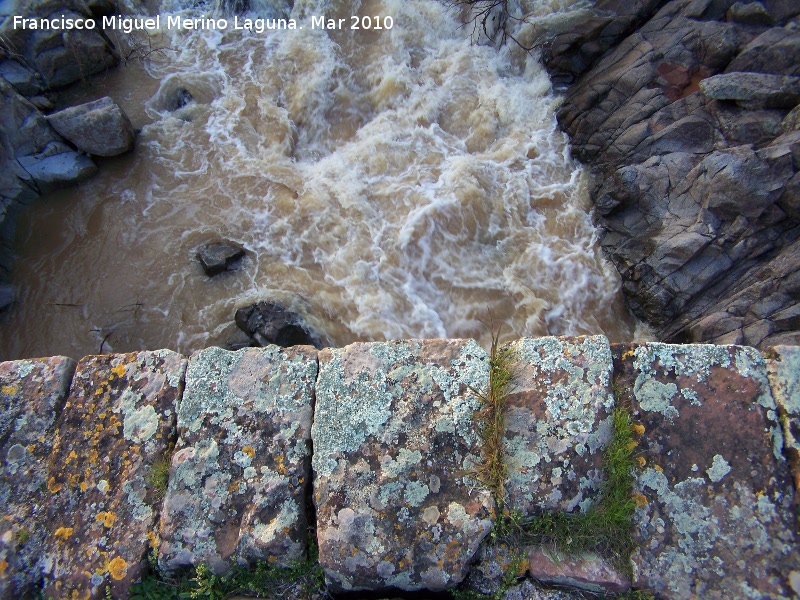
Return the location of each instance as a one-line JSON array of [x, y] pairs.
[[392, 183]]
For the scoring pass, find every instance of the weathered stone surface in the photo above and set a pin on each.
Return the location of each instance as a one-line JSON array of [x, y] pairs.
[[696, 196], [217, 257], [528, 590], [750, 13], [556, 424], [774, 51], [394, 444], [587, 572], [241, 470], [99, 127], [8, 294], [268, 323], [32, 394], [102, 502], [783, 367], [715, 516], [753, 90]]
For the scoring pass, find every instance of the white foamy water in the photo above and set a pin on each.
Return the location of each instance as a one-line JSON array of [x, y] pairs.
[[386, 184]]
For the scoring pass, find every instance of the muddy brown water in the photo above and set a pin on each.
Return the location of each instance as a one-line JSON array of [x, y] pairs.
[[386, 184]]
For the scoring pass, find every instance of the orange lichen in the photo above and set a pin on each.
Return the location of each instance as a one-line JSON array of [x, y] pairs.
[[658, 468], [640, 499], [641, 460], [249, 450], [52, 486], [272, 559], [118, 568], [3, 564], [152, 538], [84, 486], [63, 532], [638, 428], [107, 518], [9, 390], [119, 370]]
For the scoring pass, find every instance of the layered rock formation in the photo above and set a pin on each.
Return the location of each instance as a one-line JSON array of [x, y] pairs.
[[689, 127], [398, 506]]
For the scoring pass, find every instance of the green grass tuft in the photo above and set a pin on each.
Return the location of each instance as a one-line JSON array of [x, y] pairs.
[[606, 527]]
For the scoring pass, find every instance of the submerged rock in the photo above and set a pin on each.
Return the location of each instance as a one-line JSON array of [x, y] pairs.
[[241, 468], [270, 323], [102, 494], [100, 127], [715, 514], [394, 446], [32, 395], [217, 257]]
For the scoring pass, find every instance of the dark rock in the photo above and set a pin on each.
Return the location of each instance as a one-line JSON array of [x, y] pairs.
[[753, 90], [220, 256], [8, 294], [26, 81], [270, 323], [100, 127], [776, 51], [177, 98], [752, 13]]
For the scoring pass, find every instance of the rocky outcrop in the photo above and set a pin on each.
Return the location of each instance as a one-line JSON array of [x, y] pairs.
[[395, 440], [686, 128], [218, 257]]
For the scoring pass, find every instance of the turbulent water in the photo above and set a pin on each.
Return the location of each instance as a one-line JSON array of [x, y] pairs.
[[386, 184]]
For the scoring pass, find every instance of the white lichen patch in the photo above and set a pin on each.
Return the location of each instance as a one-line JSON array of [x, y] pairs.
[[140, 424], [784, 377], [718, 469]]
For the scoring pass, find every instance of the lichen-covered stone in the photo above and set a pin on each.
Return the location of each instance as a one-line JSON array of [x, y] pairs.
[[557, 422], [783, 368], [102, 499], [394, 447], [32, 394], [241, 469], [715, 516]]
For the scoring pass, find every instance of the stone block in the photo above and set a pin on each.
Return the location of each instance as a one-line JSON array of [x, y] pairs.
[[715, 516], [101, 497], [32, 395], [394, 447], [783, 371], [241, 476], [99, 127], [557, 422]]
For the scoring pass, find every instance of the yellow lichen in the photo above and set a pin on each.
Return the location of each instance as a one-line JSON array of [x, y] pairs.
[[107, 518], [638, 428], [658, 468], [9, 390], [640, 499], [119, 370], [641, 460], [84, 486], [118, 568], [3, 564], [249, 450], [63, 532], [52, 486], [152, 538]]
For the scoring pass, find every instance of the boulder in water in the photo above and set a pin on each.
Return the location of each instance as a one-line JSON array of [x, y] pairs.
[[270, 323], [220, 256], [100, 127]]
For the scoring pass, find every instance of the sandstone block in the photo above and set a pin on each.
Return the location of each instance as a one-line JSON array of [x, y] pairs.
[[32, 394], [715, 516], [556, 426], [241, 469], [101, 497], [394, 446]]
